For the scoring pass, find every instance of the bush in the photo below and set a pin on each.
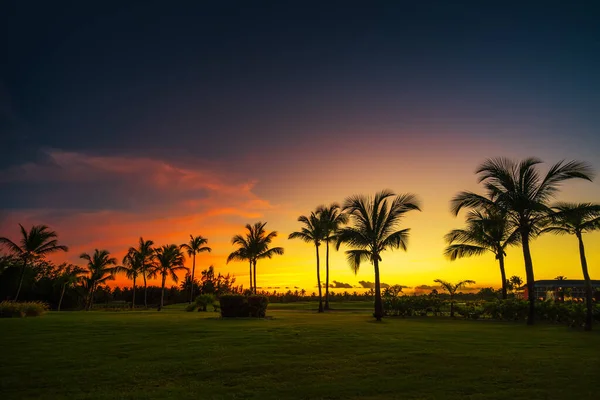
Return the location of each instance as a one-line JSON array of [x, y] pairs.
[[257, 306], [203, 301], [11, 309], [234, 305], [191, 307]]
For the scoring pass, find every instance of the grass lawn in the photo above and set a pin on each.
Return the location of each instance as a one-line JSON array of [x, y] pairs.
[[297, 354]]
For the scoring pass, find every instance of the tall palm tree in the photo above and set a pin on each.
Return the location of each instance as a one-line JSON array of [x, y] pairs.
[[487, 230], [101, 268], [332, 218], [145, 253], [241, 254], [169, 260], [69, 276], [312, 232], [520, 190], [33, 245], [193, 247], [255, 245], [452, 288], [132, 267], [375, 222], [576, 219]]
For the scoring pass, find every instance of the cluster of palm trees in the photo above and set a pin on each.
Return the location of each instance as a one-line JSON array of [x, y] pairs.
[[516, 209]]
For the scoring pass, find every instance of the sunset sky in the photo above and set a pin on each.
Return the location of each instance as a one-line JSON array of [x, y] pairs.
[[155, 119]]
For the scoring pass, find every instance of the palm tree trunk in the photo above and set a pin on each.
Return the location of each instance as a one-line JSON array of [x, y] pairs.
[[62, 293], [503, 273], [133, 298], [319, 280], [451, 305], [192, 282], [530, 277], [588, 285], [250, 275], [91, 299], [327, 274], [378, 303], [21, 279], [255, 285], [162, 293], [145, 290]]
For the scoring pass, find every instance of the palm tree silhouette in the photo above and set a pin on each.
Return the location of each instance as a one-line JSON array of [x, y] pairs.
[[241, 254], [561, 278], [193, 247], [33, 245], [145, 255], [332, 218], [69, 276], [255, 246], [451, 288], [487, 230], [169, 260], [520, 190], [375, 229], [576, 219], [100, 271], [132, 266], [312, 232]]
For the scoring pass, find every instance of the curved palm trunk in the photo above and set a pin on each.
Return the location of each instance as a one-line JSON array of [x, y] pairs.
[[255, 285], [327, 274], [133, 298], [23, 269], [162, 293], [62, 294], [145, 290], [530, 278], [588, 285], [378, 303], [250, 275], [503, 273], [192, 282], [319, 280]]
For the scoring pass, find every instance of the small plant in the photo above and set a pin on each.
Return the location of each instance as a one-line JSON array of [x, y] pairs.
[[204, 300], [11, 309], [191, 307]]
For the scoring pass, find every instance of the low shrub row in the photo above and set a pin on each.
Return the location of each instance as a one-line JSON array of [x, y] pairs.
[[236, 306], [11, 309], [202, 302], [409, 306]]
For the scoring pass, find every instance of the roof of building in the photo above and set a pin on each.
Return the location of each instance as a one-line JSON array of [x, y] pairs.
[[571, 283]]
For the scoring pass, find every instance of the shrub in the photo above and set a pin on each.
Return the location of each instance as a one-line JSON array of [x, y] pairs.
[[257, 306], [11, 309], [234, 305], [204, 300], [470, 310], [191, 307]]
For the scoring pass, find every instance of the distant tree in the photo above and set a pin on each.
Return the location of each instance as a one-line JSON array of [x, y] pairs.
[[312, 232], [516, 281], [332, 218], [561, 278], [520, 190], [145, 254], [255, 246], [69, 276], [33, 245], [169, 260], [577, 219], [101, 268], [132, 267], [452, 288], [488, 230], [195, 246], [374, 229]]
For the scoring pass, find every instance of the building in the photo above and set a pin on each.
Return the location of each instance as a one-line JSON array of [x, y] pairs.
[[561, 290]]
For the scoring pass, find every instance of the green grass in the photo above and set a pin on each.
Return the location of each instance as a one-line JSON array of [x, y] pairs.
[[340, 355]]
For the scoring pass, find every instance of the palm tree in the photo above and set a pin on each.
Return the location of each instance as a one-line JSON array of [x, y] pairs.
[[520, 190], [312, 232], [331, 218], [100, 271], [33, 245], [169, 260], [132, 266], [241, 254], [487, 230], [561, 278], [255, 246], [451, 288], [69, 276], [515, 282], [193, 247], [375, 229], [576, 219], [145, 253]]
